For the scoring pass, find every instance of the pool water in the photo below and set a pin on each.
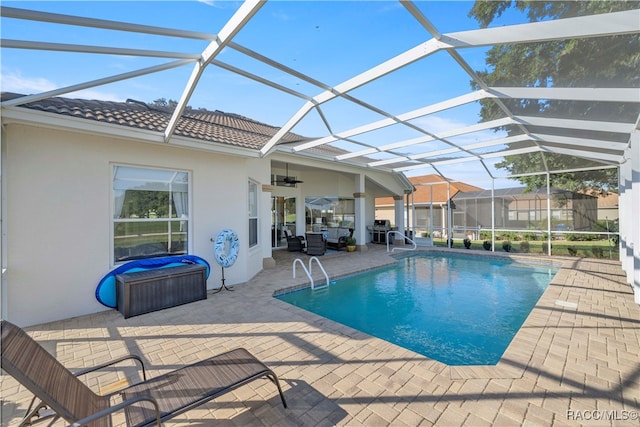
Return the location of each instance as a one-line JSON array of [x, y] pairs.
[[457, 309]]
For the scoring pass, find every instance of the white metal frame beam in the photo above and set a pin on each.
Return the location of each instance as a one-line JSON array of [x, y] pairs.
[[239, 19], [617, 23]]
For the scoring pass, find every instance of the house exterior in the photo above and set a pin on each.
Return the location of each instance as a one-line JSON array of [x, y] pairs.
[[428, 207], [608, 207], [469, 208], [516, 208], [88, 185]]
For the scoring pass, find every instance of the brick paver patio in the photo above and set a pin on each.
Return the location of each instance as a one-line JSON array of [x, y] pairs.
[[576, 360]]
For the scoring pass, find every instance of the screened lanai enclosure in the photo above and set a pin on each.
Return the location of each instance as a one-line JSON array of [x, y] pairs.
[[425, 100], [520, 210]]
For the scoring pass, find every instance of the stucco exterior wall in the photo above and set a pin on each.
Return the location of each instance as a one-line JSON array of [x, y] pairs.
[[58, 215]]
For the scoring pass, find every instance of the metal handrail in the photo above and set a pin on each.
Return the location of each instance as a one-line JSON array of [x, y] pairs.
[[314, 258], [415, 245], [308, 271]]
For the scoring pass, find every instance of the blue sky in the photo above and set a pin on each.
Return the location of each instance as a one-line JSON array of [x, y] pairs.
[[330, 41]]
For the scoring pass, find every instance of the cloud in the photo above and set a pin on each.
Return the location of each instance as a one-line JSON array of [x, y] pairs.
[[15, 81], [96, 94], [220, 4], [437, 124]]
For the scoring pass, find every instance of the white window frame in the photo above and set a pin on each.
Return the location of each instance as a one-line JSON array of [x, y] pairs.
[[253, 212], [113, 220]]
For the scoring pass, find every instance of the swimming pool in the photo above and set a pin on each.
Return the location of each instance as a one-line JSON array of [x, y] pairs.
[[457, 309]]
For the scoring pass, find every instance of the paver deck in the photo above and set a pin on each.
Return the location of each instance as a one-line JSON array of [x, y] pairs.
[[576, 360]]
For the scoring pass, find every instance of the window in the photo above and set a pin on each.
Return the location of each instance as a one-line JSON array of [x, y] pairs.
[[150, 213], [253, 214]]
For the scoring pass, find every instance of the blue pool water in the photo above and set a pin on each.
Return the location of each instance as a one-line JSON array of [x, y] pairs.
[[457, 309]]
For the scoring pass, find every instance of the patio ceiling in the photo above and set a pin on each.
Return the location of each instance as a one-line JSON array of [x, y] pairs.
[[397, 136]]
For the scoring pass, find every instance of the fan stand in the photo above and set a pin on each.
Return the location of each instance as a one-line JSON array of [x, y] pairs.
[[223, 285]]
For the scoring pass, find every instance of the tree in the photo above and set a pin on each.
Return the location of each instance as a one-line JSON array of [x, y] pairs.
[[162, 102], [594, 62]]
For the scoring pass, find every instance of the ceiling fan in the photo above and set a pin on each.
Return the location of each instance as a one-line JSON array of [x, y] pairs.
[[289, 180]]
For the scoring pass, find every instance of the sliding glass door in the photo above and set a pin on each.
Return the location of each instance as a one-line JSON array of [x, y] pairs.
[[283, 217]]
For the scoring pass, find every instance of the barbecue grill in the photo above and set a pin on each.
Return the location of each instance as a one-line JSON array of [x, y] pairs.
[[379, 231]]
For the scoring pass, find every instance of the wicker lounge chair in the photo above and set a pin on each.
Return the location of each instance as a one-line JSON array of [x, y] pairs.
[[294, 243], [147, 403], [316, 244]]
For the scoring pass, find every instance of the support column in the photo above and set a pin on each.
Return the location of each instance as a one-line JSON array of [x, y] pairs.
[[399, 213], [493, 215], [360, 232], [625, 217], [548, 214], [634, 224]]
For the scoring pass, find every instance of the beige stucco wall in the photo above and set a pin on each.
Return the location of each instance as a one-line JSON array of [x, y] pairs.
[[58, 204]]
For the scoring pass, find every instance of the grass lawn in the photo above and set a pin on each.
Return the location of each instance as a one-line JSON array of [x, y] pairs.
[[591, 249]]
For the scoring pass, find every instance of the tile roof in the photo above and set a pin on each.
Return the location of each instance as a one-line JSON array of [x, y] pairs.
[[200, 124], [423, 185]]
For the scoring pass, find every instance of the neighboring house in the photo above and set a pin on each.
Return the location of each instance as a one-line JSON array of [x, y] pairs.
[[87, 185], [428, 203], [516, 208], [608, 207]]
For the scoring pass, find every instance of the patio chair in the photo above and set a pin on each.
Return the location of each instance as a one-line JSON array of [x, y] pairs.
[[294, 243], [316, 244], [149, 402]]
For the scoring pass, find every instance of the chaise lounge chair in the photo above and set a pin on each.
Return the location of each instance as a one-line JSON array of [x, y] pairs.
[[147, 403]]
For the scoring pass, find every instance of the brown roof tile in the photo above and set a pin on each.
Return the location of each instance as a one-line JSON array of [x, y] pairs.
[[424, 185], [204, 125]]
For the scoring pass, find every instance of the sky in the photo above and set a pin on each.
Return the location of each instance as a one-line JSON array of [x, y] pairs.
[[330, 41]]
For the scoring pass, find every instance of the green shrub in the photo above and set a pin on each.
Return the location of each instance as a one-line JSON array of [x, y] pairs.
[[508, 235], [597, 252], [572, 250], [485, 235], [524, 247], [467, 242], [487, 245], [507, 246]]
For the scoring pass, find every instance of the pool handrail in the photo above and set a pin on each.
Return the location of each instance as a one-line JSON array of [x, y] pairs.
[[415, 245], [326, 276], [308, 271]]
